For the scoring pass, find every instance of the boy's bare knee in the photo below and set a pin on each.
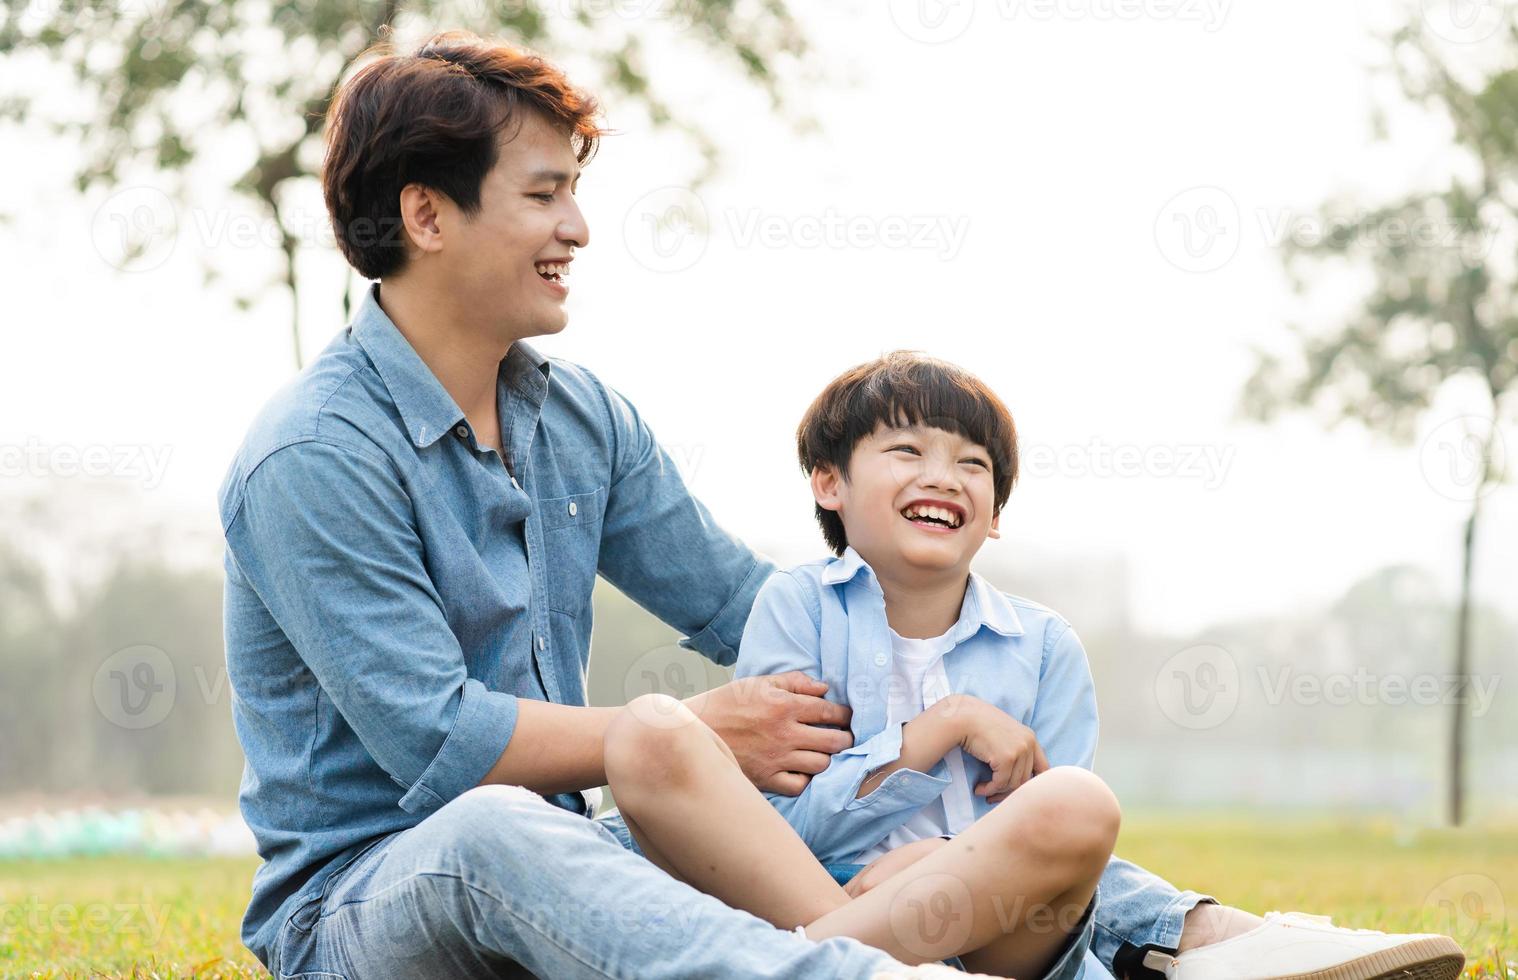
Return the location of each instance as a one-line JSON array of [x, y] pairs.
[[651, 741], [1071, 815]]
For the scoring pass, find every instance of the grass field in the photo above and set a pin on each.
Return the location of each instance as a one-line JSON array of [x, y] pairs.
[[137, 917]]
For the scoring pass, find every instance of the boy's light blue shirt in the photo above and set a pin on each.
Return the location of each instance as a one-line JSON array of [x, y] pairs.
[[827, 619]]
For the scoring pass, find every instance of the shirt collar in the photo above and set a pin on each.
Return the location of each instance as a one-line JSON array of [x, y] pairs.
[[984, 604], [426, 408]]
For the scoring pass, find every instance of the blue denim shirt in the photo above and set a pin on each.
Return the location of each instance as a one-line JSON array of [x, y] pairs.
[[392, 589], [827, 618]]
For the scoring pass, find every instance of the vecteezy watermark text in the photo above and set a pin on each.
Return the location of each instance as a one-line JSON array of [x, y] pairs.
[[34, 458]]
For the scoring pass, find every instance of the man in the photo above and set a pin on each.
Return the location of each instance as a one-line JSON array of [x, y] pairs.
[[414, 527]]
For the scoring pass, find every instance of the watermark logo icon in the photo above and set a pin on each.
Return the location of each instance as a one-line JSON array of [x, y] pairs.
[[1458, 453], [931, 916], [660, 679], [1198, 230], [135, 229], [932, 21], [1198, 688], [666, 230], [1464, 21], [135, 687], [1463, 906]]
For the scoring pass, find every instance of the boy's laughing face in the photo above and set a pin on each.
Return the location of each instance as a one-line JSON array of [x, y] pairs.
[[917, 500]]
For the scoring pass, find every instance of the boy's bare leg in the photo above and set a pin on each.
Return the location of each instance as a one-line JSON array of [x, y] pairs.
[[693, 813], [1006, 893], [1010, 887], [1208, 923]]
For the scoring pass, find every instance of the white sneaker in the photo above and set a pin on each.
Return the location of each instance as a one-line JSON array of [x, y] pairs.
[[1295, 946]]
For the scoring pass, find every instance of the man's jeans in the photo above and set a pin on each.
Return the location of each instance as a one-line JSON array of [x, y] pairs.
[[499, 877]]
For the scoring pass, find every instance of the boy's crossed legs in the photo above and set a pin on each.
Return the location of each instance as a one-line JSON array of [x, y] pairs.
[[1004, 895]]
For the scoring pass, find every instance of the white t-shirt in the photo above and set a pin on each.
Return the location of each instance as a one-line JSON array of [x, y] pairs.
[[918, 681]]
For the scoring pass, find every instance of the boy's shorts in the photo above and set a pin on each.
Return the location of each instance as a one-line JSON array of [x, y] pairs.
[[1067, 966]]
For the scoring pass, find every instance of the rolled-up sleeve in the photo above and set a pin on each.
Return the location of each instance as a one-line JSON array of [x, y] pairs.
[[661, 546], [326, 536], [836, 823]]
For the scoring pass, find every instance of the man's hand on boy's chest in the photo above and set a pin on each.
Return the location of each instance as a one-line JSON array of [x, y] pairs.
[[772, 725]]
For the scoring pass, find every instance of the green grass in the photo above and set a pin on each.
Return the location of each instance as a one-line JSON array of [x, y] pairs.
[[138, 917]]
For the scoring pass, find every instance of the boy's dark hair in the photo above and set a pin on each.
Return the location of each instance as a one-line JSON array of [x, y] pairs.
[[432, 118], [902, 389]]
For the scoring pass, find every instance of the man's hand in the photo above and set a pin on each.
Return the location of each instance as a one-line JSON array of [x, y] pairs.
[[997, 739], [889, 863], [771, 722]]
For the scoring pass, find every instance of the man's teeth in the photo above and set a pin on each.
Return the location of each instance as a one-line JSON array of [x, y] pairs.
[[556, 270], [937, 513]]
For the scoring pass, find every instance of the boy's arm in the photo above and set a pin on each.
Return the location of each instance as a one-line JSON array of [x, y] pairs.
[[1064, 710], [831, 814], [925, 740]]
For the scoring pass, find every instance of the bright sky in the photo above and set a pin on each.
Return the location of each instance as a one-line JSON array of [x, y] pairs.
[[1080, 200]]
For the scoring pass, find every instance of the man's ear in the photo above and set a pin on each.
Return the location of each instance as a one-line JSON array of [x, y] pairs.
[[826, 483], [419, 216], [995, 531]]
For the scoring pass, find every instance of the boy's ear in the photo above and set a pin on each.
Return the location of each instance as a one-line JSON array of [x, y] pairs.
[[995, 531], [825, 486]]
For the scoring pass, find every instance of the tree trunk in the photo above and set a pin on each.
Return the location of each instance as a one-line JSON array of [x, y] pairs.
[[1462, 673], [289, 245], [1463, 637]]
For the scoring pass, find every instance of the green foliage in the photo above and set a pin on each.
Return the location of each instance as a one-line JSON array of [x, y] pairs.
[[168, 82], [1442, 299]]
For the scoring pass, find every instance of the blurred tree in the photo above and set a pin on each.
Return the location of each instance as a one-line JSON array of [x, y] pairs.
[[1440, 315], [28, 649], [166, 82]]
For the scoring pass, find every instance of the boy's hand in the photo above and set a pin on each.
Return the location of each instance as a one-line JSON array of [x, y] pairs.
[[889, 863], [997, 739], [771, 724]]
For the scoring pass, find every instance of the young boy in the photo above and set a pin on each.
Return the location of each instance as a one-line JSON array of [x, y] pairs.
[[937, 839]]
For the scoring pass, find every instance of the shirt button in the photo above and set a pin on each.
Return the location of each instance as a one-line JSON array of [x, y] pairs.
[[880, 659], [515, 484], [462, 432], [542, 642], [573, 509]]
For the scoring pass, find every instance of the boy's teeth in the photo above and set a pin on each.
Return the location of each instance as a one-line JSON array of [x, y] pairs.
[[937, 513]]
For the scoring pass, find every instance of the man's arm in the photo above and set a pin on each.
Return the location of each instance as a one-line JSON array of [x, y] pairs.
[[661, 547], [557, 748], [831, 813], [326, 536]]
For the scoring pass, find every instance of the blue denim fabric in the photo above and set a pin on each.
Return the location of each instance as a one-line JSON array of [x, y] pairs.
[[1139, 909], [827, 618], [499, 880], [392, 587]]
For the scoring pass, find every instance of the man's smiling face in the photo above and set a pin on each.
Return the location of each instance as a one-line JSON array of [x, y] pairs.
[[512, 257], [918, 499]]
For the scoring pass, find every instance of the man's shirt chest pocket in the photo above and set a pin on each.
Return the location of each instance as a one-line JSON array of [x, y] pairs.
[[571, 526]]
